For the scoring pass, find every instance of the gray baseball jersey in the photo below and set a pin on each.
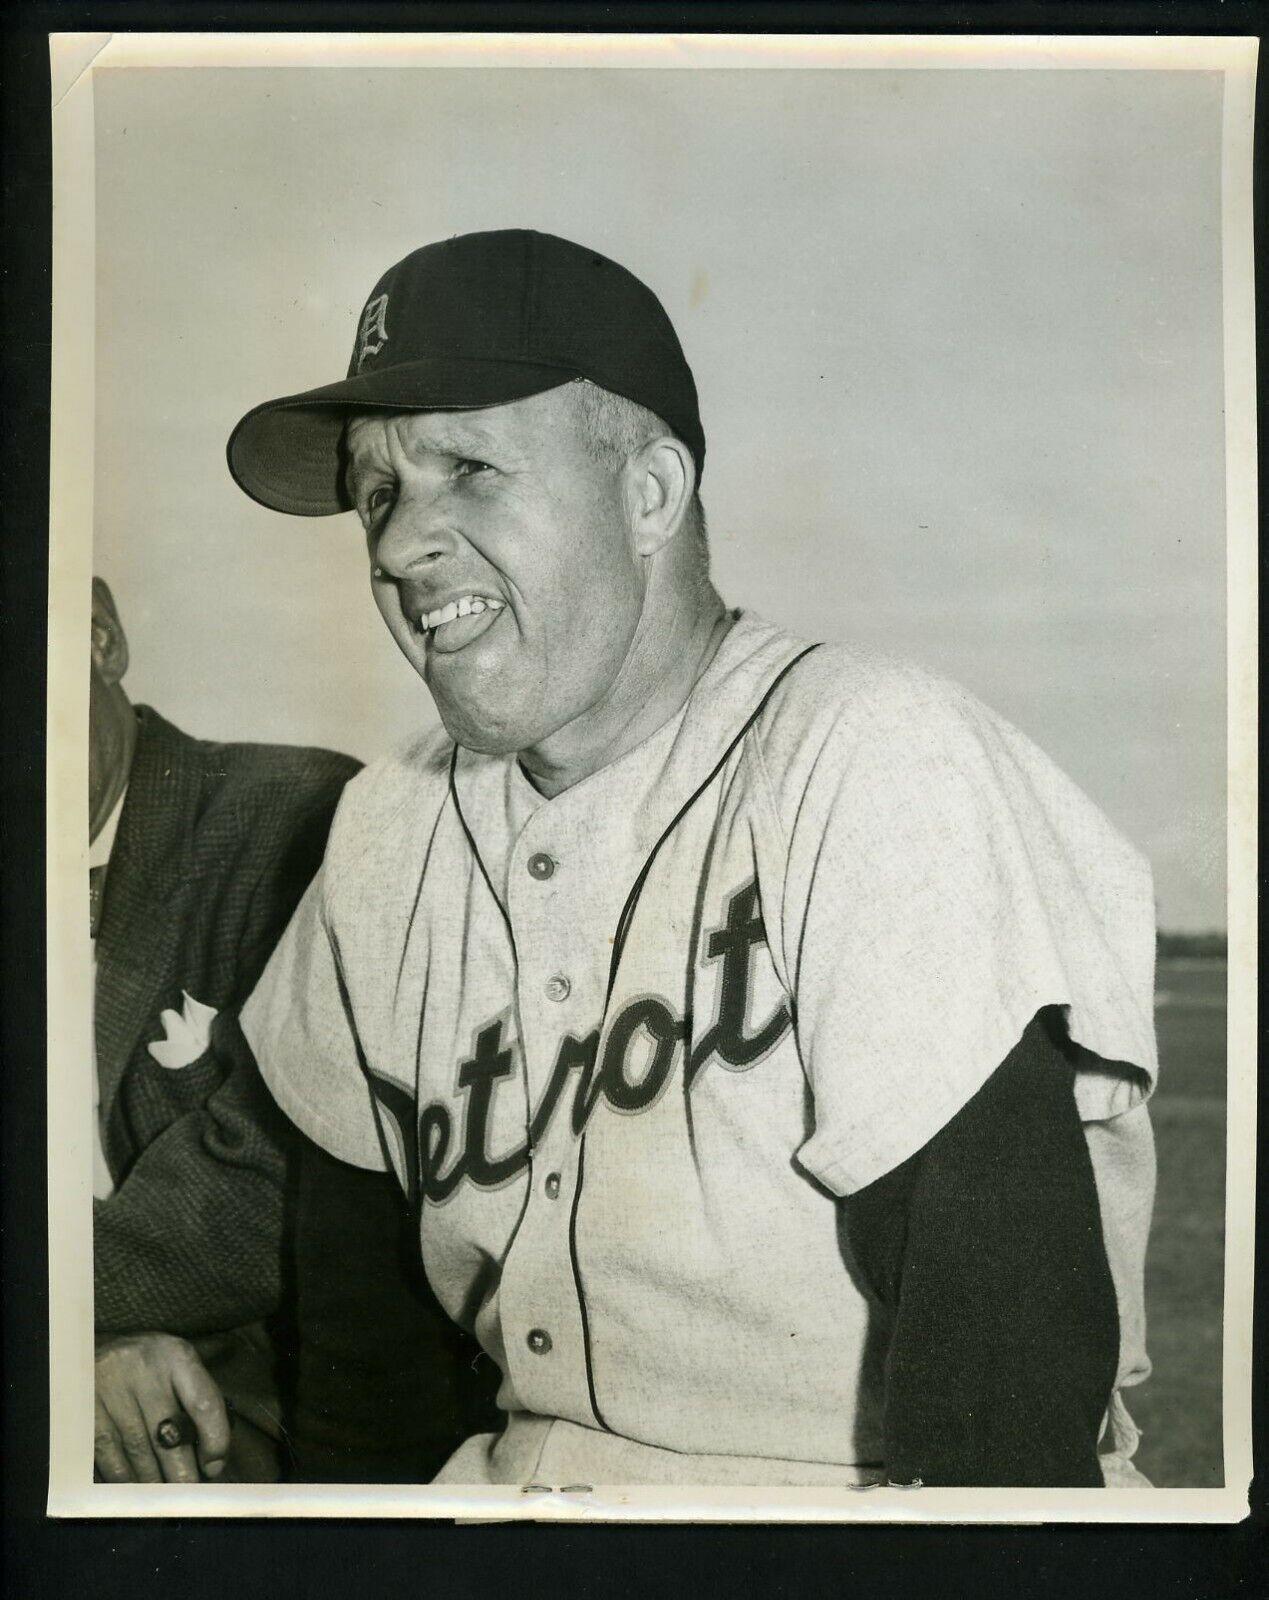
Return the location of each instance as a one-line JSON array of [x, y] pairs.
[[627, 1046]]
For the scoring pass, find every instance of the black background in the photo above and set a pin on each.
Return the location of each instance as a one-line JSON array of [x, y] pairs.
[[100, 1560]]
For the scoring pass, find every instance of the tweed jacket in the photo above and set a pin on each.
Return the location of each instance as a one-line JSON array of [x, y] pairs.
[[216, 844]]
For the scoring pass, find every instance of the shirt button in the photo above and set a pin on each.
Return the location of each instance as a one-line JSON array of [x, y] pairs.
[[539, 1341], [557, 988], [552, 1186], [541, 866]]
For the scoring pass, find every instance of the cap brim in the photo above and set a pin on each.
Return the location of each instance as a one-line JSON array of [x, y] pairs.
[[288, 454]]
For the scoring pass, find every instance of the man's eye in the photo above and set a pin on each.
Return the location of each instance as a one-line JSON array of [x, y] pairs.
[[379, 496], [468, 467]]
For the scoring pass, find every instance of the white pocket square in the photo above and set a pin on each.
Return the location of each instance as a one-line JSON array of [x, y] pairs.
[[187, 1034]]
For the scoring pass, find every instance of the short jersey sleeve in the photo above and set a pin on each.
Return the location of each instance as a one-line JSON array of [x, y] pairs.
[[300, 1028], [943, 882]]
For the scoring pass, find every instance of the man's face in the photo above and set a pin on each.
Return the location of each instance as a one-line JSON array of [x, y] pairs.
[[108, 710], [101, 762], [504, 515]]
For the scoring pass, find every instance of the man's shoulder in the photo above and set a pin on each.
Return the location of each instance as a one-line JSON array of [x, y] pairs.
[[417, 766], [846, 699], [853, 732], [295, 770], [274, 779], [900, 741], [221, 788], [403, 786]]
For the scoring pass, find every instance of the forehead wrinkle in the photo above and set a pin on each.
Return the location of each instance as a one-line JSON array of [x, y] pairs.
[[442, 433], [461, 442]]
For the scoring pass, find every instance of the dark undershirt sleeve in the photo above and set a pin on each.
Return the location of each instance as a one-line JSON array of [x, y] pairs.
[[387, 1386], [985, 1250]]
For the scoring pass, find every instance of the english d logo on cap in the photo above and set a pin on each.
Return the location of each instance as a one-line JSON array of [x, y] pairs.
[[474, 321], [374, 335]]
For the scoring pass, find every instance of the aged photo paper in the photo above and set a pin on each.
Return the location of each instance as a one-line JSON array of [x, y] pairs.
[[971, 325]]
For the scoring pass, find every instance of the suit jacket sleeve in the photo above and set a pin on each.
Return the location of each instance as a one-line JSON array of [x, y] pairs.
[[192, 1240], [985, 1249]]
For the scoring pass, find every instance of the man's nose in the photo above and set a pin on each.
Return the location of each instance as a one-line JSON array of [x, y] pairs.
[[419, 530]]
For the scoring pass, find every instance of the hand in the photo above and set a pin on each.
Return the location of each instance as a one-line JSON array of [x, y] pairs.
[[141, 1379]]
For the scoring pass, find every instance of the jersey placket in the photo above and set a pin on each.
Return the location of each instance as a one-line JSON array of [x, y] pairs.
[[552, 910], [573, 868]]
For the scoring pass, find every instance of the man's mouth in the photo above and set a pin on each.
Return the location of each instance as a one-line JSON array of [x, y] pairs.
[[456, 624]]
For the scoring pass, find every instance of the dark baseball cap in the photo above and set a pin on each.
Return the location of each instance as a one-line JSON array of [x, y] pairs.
[[474, 321]]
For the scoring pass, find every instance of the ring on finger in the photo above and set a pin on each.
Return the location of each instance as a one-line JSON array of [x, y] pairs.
[[173, 1432]]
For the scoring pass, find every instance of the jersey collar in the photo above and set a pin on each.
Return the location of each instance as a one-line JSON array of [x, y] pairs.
[[650, 783]]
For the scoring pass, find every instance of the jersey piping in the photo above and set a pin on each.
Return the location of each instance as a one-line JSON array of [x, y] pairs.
[[619, 941]]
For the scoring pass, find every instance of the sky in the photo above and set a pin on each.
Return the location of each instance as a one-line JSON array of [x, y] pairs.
[[957, 336]]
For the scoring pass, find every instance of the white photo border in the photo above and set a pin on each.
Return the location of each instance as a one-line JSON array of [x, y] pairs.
[[76, 59]]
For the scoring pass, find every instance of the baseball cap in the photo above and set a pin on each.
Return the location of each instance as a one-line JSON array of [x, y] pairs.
[[473, 321]]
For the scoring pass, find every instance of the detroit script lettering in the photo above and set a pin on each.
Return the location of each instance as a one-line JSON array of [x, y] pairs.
[[440, 1162]]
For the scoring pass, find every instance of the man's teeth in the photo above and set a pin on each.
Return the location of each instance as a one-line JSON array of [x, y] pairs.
[[471, 605]]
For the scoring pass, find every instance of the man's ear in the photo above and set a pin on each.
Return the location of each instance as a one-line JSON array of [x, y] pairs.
[[109, 642], [660, 481]]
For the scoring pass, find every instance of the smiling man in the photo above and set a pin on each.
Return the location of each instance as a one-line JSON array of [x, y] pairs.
[[760, 1030]]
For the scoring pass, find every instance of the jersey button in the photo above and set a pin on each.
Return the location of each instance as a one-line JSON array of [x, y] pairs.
[[552, 1186], [539, 1341], [557, 988], [541, 866]]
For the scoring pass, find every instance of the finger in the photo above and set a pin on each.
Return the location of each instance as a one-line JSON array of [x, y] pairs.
[[108, 1456], [197, 1391], [135, 1434], [177, 1463], [162, 1411]]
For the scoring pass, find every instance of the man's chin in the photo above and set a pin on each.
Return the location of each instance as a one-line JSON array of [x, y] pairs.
[[480, 737], [490, 714]]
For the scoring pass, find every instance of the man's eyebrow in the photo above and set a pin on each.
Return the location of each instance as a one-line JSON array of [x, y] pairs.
[[459, 438], [455, 436]]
